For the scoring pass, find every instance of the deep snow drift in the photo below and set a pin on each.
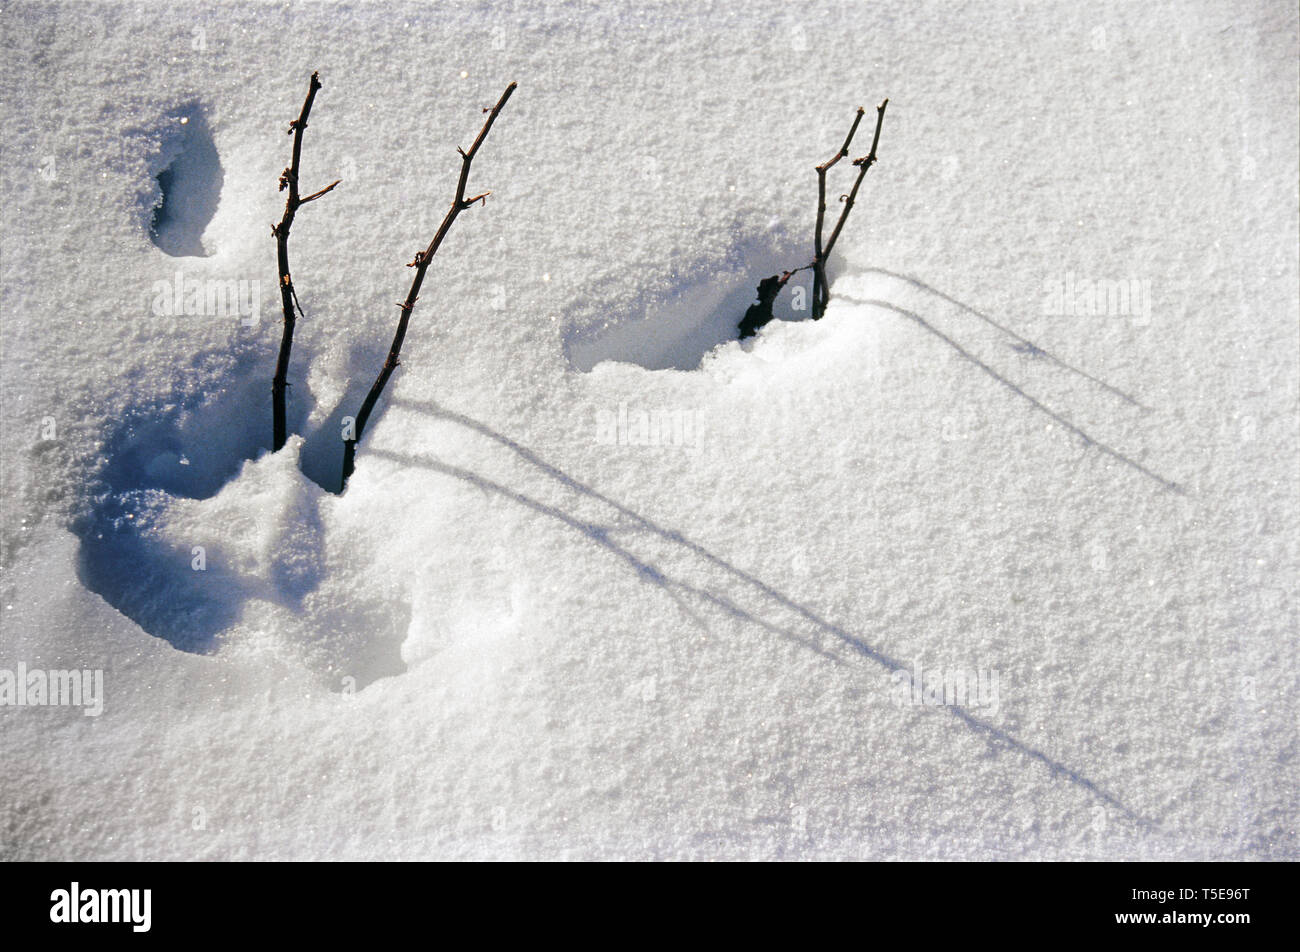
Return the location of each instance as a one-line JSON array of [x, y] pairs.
[[996, 560]]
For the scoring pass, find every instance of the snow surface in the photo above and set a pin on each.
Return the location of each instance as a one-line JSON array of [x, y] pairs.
[[520, 633]]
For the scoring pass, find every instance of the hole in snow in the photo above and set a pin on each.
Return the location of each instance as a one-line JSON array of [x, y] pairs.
[[321, 459], [676, 330], [189, 177], [198, 558], [192, 445], [186, 447]]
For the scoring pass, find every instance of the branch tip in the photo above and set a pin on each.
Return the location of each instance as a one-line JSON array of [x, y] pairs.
[[315, 195]]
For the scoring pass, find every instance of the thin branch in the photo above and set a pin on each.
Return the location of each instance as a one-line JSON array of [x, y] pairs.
[[864, 164], [288, 296], [819, 275], [826, 167], [315, 195], [822, 253], [760, 312], [421, 265]]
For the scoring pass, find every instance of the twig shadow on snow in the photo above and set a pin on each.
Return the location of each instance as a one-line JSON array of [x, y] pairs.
[[1088, 438], [679, 588], [1023, 345]]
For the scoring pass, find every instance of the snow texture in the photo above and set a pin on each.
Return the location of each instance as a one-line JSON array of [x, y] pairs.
[[607, 582]]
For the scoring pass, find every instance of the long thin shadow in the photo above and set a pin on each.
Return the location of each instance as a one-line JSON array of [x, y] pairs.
[[601, 535], [1088, 438], [1027, 344], [647, 572]]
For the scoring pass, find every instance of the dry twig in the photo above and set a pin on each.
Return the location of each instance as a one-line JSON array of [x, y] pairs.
[[822, 253], [288, 298], [760, 312], [421, 265]]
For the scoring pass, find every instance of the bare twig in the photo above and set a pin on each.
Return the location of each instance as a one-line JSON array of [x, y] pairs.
[[822, 253], [760, 313], [819, 257], [421, 264], [288, 297], [863, 164]]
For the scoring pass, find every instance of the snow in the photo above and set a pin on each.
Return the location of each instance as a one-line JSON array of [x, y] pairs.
[[608, 583]]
